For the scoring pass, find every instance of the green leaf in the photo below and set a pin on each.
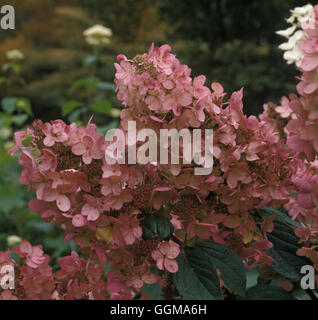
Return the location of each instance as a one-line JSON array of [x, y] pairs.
[[106, 86], [282, 217], [9, 104], [231, 266], [69, 106], [149, 228], [197, 278], [102, 106], [24, 104], [90, 85], [10, 198], [75, 115], [268, 292], [285, 245], [157, 226], [15, 67], [26, 141], [153, 290], [90, 60], [164, 227], [19, 119], [251, 278], [6, 67], [288, 264], [40, 225], [3, 80]]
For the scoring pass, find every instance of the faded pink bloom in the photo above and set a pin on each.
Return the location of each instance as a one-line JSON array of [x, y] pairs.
[[34, 255], [48, 161], [165, 256], [90, 148], [54, 132]]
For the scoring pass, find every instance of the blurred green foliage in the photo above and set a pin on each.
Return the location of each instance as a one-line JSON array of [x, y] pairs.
[[230, 41], [15, 217]]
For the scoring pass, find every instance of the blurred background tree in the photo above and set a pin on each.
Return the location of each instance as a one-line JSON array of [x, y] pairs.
[[231, 41]]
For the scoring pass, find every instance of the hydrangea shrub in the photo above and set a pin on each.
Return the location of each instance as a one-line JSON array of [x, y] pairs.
[[196, 236]]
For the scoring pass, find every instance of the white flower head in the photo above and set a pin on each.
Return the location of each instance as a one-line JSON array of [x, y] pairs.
[[287, 33], [98, 35], [301, 18], [13, 240], [14, 55]]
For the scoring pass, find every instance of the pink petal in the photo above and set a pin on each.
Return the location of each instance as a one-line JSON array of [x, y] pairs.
[[171, 265], [309, 63], [78, 220], [63, 203], [159, 264], [91, 212], [79, 148], [25, 247], [87, 158]]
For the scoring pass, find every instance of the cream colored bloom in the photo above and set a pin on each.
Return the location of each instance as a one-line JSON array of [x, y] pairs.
[[98, 35], [13, 240], [301, 13], [5, 132], [286, 33], [299, 17], [115, 113], [14, 55]]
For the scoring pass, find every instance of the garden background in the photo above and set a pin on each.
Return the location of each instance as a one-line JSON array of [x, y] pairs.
[[61, 76]]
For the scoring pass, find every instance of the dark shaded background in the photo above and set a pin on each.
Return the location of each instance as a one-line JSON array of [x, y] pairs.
[[230, 41]]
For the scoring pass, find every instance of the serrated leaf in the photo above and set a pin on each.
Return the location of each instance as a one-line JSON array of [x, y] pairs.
[[288, 264], [280, 216], [267, 292], [197, 278], [285, 246], [231, 266], [157, 226]]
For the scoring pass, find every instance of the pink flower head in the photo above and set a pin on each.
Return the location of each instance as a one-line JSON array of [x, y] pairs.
[[284, 110], [48, 161], [92, 208], [90, 148], [19, 137], [165, 256], [7, 295], [34, 255], [70, 265], [54, 132]]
